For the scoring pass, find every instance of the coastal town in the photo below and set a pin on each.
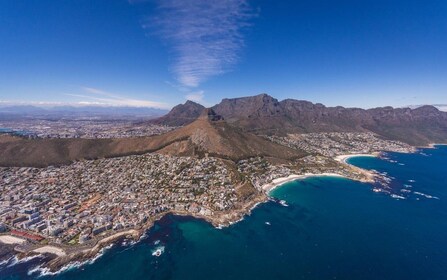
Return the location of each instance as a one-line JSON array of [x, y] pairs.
[[68, 208], [75, 203], [332, 144]]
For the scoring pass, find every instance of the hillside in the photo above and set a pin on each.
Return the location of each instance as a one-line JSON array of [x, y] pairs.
[[209, 134]]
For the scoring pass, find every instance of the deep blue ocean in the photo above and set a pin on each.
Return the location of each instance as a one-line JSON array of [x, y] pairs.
[[332, 228]]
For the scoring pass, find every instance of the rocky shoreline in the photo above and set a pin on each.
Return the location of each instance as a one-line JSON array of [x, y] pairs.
[[77, 256]]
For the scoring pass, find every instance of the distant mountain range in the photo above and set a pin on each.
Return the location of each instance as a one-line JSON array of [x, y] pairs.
[[263, 114], [23, 111]]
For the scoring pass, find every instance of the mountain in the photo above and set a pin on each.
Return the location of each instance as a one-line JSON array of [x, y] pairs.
[[419, 126], [211, 134], [181, 114], [263, 114], [208, 134], [230, 130]]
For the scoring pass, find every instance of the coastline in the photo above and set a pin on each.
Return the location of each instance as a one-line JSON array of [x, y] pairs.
[[345, 158], [65, 257], [433, 145], [268, 188]]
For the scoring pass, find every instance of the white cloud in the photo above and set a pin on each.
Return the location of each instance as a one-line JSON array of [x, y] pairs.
[[92, 97], [95, 91], [205, 35], [110, 99], [34, 103], [442, 107], [195, 96]]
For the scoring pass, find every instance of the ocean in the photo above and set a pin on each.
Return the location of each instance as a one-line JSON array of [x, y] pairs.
[[329, 228]]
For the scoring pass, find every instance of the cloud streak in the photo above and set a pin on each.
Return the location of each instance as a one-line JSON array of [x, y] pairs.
[[98, 96], [205, 35], [92, 97], [195, 96]]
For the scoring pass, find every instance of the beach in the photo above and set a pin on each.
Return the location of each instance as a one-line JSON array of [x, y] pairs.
[[283, 180], [344, 158], [65, 257]]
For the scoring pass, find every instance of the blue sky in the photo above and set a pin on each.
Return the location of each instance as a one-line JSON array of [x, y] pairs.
[[158, 53]]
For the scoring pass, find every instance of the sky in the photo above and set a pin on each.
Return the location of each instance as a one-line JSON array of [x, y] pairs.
[[159, 53]]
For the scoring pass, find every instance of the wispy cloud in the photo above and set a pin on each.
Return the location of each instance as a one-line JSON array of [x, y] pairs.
[[91, 97], [441, 107], [206, 35], [196, 96], [98, 96]]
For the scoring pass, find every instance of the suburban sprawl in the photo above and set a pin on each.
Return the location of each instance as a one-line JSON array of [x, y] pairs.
[[81, 128], [74, 207]]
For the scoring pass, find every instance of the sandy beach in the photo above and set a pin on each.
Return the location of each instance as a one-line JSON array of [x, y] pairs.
[[281, 181], [9, 239], [344, 158]]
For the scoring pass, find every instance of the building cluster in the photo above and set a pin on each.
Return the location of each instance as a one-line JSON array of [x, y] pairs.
[[259, 171], [318, 164], [332, 144], [81, 128], [77, 202]]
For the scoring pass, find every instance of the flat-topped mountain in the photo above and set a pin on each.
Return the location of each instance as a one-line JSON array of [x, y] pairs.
[[264, 114], [208, 134]]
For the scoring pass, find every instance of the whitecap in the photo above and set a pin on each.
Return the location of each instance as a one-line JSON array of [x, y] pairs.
[[283, 203], [397, 196], [45, 271], [158, 251]]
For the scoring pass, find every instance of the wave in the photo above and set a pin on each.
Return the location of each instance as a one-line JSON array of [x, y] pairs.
[[158, 251], [15, 260], [45, 271], [5, 262]]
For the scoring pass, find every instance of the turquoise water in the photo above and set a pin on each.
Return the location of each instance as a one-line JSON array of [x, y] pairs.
[[333, 228]]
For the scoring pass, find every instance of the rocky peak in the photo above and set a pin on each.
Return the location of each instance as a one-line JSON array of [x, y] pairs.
[[181, 114], [210, 115]]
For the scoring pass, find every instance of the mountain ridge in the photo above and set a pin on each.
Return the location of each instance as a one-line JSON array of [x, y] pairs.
[[264, 114]]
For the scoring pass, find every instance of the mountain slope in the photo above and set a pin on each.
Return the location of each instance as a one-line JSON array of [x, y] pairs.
[[209, 134]]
